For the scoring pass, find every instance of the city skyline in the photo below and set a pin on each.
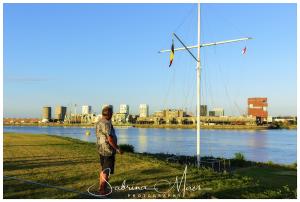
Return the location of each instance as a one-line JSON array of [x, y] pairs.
[[125, 108], [102, 53]]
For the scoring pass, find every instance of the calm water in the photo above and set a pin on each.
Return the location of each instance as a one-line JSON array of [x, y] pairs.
[[279, 146]]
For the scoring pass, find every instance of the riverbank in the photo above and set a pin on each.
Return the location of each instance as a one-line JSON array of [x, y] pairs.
[[166, 126], [73, 164]]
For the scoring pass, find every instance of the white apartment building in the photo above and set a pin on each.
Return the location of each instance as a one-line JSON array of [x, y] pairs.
[[86, 109], [124, 109], [144, 110]]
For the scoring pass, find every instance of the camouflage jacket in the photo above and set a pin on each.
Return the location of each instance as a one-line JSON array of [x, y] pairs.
[[104, 128]]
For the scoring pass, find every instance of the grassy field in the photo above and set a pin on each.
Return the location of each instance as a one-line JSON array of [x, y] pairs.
[[73, 164]]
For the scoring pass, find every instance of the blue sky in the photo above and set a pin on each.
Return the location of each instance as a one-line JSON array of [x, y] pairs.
[[64, 54]]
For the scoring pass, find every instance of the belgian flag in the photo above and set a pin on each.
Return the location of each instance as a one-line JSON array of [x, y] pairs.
[[171, 53]]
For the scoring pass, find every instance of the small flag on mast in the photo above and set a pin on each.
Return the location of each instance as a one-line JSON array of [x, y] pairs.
[[244, 50], [172, 53]]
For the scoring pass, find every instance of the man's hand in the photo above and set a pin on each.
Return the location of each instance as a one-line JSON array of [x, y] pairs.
[[120, 151], [114, 144]]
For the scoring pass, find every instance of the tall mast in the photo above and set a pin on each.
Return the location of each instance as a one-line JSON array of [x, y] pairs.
[[198, 46], [198, 91]]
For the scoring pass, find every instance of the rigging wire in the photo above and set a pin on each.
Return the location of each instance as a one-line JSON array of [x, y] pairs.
[[206, 73], [171, 81], [233, 106], [172, 92], [226, 90], [239, 31], [188, 69], [185, 18], [192, 83], [205, 83], [232, 25], [192, 103]]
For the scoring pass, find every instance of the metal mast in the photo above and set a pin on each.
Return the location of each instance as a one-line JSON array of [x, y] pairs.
[[198, 69], [198, 91]]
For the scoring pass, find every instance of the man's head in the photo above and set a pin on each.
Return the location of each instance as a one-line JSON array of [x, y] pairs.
[[107, 112]]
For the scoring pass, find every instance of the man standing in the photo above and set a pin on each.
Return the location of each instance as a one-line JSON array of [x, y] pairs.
[[107, 147]]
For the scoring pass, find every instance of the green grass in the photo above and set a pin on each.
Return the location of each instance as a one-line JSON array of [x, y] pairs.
[[73, 164]]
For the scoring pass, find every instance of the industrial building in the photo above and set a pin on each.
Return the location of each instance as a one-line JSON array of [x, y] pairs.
[[46, 116], [160, 114], [257, 108], [286, 119], [216, 112], [86, 109], [180, 118], [60, 113], [174, 113], [144, 110], [165, 116]]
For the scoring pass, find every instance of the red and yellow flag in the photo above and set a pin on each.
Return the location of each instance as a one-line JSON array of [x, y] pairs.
[[171, 53]]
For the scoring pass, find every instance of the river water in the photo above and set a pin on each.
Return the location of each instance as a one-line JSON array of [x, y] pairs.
[[278, 146]]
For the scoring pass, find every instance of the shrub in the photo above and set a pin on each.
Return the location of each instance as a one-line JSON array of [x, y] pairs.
[[239, 156], [127, 148], [239, 160]]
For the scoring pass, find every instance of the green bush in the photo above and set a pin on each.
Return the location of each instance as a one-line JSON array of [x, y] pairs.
[[239, 156], [127, 148]]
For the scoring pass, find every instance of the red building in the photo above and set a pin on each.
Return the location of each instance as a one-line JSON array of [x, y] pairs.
[[257, 107]]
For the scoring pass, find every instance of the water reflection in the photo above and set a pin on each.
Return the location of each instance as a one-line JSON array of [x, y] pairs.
[[143, 139], [122, 136], [258, 142]]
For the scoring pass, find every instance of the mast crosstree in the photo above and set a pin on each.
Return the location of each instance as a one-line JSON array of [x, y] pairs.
[[198, 46]]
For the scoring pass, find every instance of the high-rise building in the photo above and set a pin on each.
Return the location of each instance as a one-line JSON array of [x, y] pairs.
[[46, 116], [86, 109], [203, 110], [60, 113], [124, 109], [257, 107], [144, 110]]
